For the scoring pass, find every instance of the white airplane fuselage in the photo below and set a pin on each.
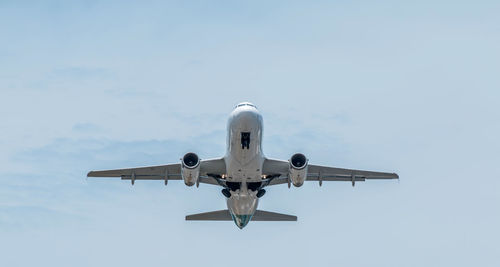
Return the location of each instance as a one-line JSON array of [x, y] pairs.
[[244, 160]]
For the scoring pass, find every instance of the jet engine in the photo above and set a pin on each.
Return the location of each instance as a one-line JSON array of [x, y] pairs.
[[190, 169], [298, 169]]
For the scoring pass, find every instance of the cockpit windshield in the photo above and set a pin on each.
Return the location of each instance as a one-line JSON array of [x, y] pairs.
[[245, 104]]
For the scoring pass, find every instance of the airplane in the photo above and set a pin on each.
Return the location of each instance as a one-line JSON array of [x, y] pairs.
[[244, 172]]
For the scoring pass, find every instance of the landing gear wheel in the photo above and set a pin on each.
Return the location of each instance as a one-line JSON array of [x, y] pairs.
[[226, 193], [261, 193]]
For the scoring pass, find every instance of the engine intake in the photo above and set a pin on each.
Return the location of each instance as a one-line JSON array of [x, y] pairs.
[[298, 169], [190, 169]]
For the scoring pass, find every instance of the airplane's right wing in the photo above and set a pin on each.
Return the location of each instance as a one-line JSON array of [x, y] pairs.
[[164, 172]]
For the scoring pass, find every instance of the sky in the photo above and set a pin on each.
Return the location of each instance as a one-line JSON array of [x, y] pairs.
[[411, 87]]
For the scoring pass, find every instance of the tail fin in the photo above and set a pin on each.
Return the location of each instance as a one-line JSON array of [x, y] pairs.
[[224, 215]]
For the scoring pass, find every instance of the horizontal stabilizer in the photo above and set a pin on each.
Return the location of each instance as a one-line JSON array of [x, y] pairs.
[[261, 215], [220, 215], [224, 215]]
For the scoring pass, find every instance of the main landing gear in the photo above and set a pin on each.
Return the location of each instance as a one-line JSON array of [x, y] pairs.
[[227, 193]]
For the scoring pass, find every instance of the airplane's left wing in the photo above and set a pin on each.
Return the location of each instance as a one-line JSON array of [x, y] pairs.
[[322, 173], [164, 172]]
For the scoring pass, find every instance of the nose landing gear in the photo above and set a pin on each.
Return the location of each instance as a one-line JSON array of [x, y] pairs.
[[245, 140]]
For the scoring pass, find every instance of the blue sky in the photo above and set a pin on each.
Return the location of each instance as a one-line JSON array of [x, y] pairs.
[[390, 86]]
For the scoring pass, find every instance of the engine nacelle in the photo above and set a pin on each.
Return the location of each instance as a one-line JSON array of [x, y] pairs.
[[298, 169], [190, 169]]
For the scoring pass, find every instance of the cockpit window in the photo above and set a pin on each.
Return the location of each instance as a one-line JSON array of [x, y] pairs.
[[246, 104]]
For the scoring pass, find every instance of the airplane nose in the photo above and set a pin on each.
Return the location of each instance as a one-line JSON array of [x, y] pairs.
[[247, 113], [247, 117], [241, 220]]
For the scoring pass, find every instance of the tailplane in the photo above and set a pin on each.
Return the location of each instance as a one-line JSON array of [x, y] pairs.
[[224, 215]]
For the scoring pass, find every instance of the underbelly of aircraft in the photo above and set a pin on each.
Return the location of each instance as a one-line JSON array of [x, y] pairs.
[[242, 169]]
